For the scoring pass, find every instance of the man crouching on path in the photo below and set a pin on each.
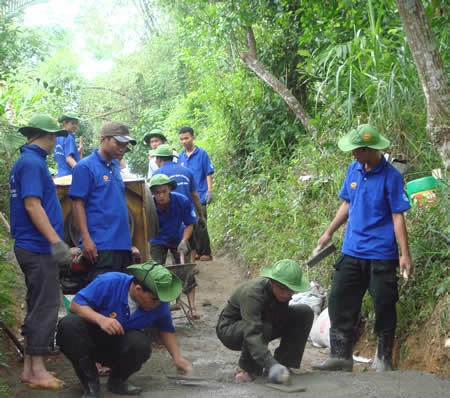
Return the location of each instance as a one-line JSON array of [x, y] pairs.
[[258, 312], [107, 322]]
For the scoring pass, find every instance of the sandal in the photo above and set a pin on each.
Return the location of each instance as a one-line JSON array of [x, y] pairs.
[[47, 384]]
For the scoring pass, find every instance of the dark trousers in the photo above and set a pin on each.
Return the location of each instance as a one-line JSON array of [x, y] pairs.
[[158, 253], [79, 339], [201, 236], [42, 299], [294, 334], [110, 261], [351, 278]]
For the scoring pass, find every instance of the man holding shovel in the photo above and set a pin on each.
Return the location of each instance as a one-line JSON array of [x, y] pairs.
[[258, 312], [373, 204], [37, 227], [176, 219]]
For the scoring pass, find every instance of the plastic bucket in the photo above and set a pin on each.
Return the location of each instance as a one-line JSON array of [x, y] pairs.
[[67, 300], [422, 191]]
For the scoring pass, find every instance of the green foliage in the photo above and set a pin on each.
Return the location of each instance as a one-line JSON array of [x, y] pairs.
[[8, 282], [428, 230], [19, 47]]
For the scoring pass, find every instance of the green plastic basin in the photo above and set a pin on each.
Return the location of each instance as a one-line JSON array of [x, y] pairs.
[[422, 190]]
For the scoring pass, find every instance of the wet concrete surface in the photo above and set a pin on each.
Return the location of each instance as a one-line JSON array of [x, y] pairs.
[[216, 364]]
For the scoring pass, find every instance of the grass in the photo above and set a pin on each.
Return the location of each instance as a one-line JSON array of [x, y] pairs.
[[8, 289]]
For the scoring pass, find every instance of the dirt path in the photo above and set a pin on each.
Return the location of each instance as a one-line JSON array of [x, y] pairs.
[[217, 279]]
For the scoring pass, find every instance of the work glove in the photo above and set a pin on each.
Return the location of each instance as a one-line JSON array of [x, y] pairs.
[[182, 246], [209, 197], [278, 374], [201, 222], [61, 254]]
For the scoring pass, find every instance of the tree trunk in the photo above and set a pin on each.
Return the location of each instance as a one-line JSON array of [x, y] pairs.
[[261, 71], [431, 73]]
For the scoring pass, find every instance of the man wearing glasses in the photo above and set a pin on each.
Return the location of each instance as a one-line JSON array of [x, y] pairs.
[[99, 204], [108, 321]]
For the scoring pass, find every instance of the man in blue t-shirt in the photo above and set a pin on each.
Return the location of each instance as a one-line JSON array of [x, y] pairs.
[[186, 185], [37, 227], [154, 139], [99, 204], [197, 160], [66, 150], [176, 218], [109, 324], [373, 204]]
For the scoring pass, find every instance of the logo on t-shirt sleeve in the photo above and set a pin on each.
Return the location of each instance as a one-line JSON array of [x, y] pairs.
[[353, 185]]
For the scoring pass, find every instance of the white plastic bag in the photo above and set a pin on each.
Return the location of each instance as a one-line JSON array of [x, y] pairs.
[[312, 298], [320, 331]]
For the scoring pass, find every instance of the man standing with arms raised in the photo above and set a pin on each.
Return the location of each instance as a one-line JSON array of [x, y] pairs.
[[197, 160]]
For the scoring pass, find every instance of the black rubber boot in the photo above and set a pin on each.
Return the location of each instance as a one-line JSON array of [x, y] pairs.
[[384, 352], [122, 387], [341, 353], [88, 374]]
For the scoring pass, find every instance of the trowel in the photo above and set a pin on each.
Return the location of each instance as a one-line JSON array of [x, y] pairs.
[[188, 380], [286, 387], [319, 253]]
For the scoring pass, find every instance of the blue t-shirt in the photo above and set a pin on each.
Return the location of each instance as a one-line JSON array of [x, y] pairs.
[[65, 146], [182, 175], [200, 165], [99, 183], [173, 220], [108, 295], [30, 177], [374, 196]]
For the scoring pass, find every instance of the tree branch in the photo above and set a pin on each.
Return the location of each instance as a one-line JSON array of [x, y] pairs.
[[102, 115], [261, 71], [106, 89]]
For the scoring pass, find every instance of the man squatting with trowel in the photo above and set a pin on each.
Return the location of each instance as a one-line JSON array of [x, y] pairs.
[[373, 204], [258, 312], [109, 324]]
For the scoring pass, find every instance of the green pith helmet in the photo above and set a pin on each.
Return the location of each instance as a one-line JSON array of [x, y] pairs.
[[289, 273], [154, 133], [364, 136], [68, 116], [163, 150], [42, 124], [158, 279], [162, 179]]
